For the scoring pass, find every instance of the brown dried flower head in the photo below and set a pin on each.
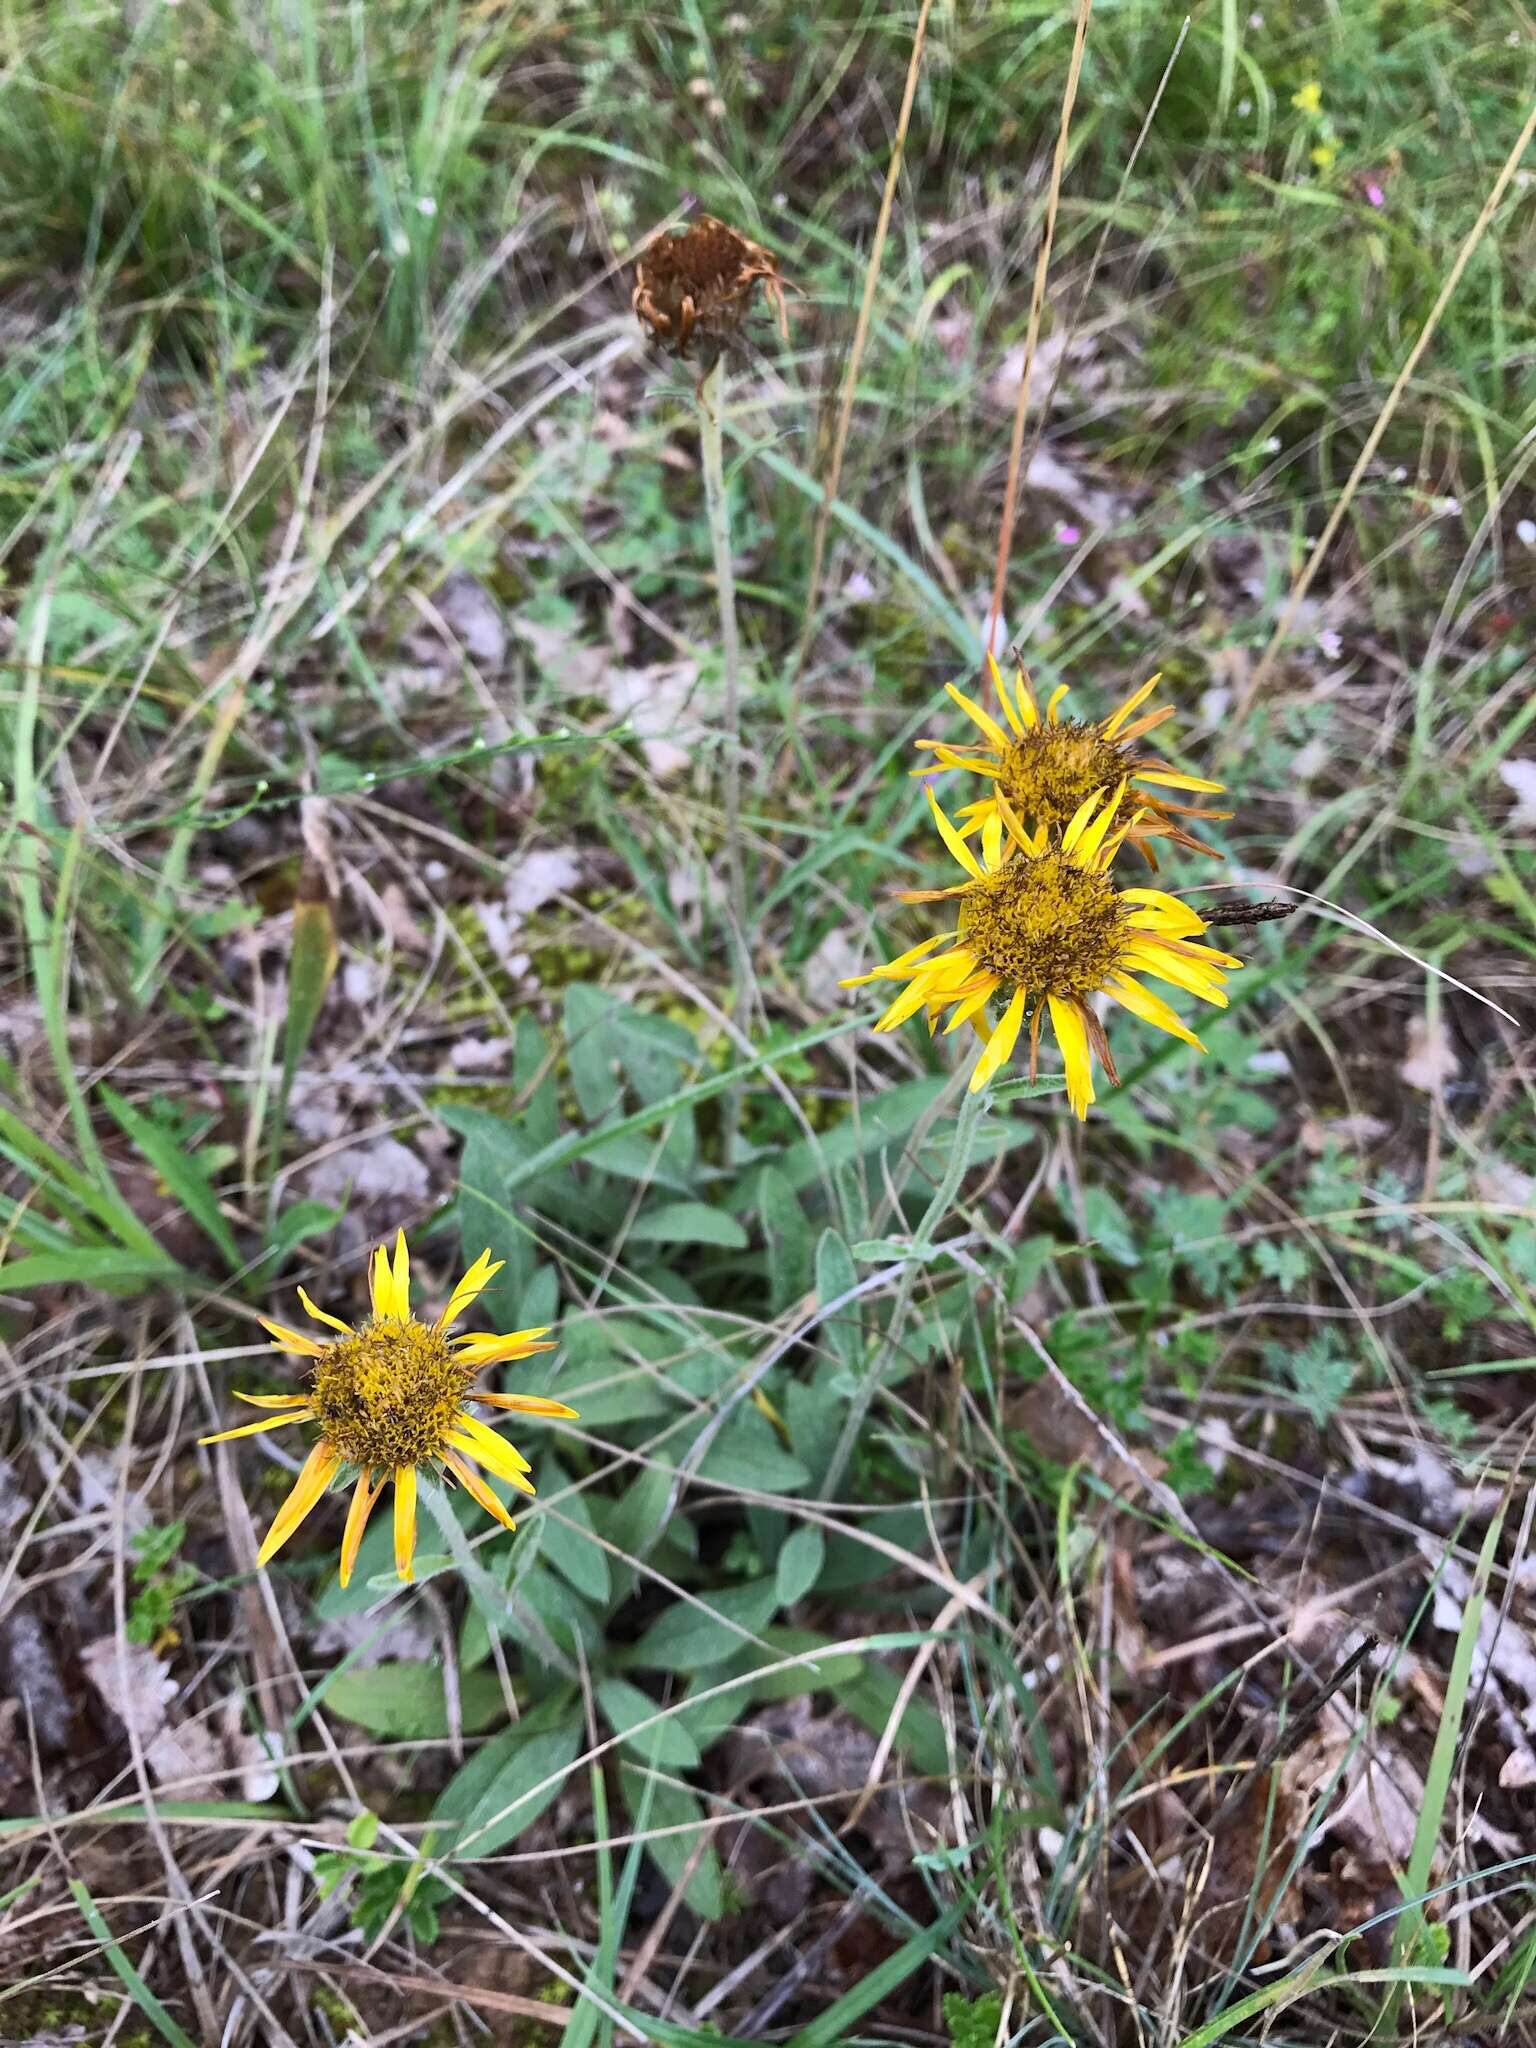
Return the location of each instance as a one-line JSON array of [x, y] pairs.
[[702, 283]]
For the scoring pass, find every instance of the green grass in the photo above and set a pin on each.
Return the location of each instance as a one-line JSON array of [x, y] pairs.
[[354, 561]]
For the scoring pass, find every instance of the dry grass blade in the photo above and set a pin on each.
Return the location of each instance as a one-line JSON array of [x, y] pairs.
[[861, 332], [1036, 308]]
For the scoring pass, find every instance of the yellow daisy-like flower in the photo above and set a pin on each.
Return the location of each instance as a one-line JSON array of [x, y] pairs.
[[1043, 923], [389, 1398], [1047, 766]]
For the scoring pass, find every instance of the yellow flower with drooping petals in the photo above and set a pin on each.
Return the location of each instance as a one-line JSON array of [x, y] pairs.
[[1045, 766], [389, 1398], [1042, 928]]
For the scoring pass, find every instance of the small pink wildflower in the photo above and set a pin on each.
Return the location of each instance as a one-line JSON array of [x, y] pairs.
[[1069, 536], [1375, 195]]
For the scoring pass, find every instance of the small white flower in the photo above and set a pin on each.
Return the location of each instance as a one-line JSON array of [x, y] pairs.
[[1329, 641], [1272, 445], [1244, 109], [1399, 475], [401, 244], [1525, 533], [1447, 508], [426, 205], [1256, 19]]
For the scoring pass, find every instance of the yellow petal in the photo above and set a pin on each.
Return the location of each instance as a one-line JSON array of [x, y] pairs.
[[470, 1289], [402, 1276], [1148, 957], [271, 1400], [314, 1477], [1072, 1036], [1113, 724], [1024, 697], [364, 1494], [952, 839], [1003, 698], [224, 1436], [529, 1404], [1168, 780], [992, 842], [1092, 836], [907, 1004], [490, 1450], [381, 1285], [967, 1009], [1000, 1044], [982, 719], [500, 1351], [493, 1443], [1052, 709], [477, 1490], [291, 1340], [1176, 915], [319, 1315], [1150, 1008], [1078, 823], [405, 1513]]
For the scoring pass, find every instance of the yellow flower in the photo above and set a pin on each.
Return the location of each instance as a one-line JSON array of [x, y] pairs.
[[1042, 923], [1045, 767], [1309, 99], [388, 1397], [1325, 156]]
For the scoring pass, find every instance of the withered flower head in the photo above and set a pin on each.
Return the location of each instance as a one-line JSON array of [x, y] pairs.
[[702, 282]]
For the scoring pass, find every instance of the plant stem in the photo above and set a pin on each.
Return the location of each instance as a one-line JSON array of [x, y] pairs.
[[944, 1194], [711, 400]]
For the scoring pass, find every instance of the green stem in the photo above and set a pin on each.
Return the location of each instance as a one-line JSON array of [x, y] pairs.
[[943, 1202], [711, 398]]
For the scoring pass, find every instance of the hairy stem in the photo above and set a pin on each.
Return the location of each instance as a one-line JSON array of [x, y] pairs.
[[711, 399]]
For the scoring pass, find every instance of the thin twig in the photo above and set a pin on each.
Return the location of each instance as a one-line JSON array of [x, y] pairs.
[[861, 331], [1036, 307]]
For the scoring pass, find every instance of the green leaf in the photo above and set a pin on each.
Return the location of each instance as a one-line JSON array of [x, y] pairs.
[[832, 2028], [665, 1743], [137, 1989], [836, 1276], [689, 1223], [689, 1637], [973, 2022], [103, 1266], [405, 1700], [674, 1806], [919, 1735], [502, 1789], [829, 1670], [800, 1563], [311, 965], [1106, 1224], [181, 1171], [749, 1454], [571, 1549], [788, 1234]]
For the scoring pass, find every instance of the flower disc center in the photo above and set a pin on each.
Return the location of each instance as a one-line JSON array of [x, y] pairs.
[[1053, 769], [387, 1395], [1044, 925]]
